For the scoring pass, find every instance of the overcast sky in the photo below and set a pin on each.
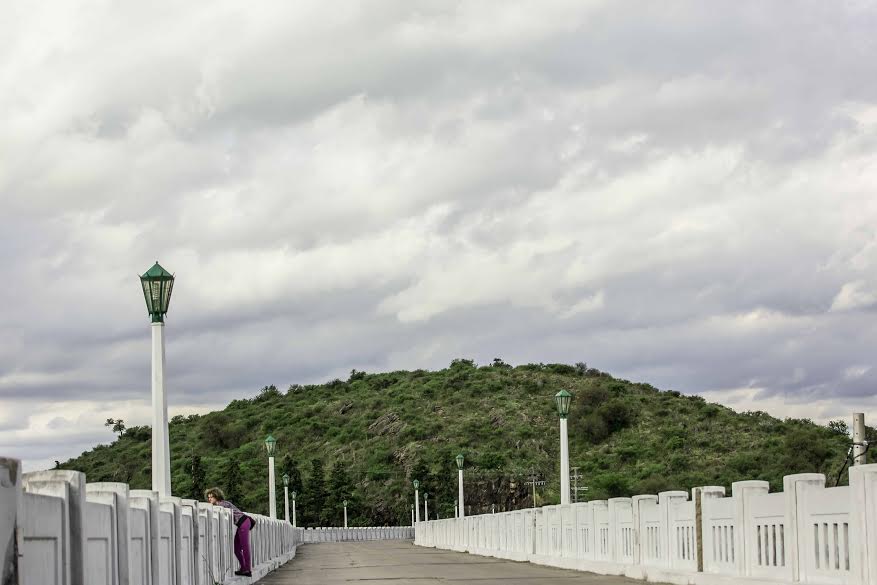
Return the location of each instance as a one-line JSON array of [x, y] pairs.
[[678, 193]]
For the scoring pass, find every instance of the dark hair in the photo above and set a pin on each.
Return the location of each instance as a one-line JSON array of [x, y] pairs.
[[215, 492]]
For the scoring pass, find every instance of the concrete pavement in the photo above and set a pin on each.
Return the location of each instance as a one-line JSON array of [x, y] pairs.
[[401, 563]]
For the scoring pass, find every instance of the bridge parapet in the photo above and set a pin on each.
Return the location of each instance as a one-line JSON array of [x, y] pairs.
[[333, 534], [55, 529], [805, 534]]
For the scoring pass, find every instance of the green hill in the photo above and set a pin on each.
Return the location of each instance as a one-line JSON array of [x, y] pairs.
[[366, 438]]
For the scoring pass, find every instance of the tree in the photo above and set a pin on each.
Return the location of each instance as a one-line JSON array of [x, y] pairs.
[[339, 490], [199, 477], [839, 427], [118, 426], [233, 480], [290, 468], [315, 493]]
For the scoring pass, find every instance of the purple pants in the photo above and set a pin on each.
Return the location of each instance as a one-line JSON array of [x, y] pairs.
[[242, 545]]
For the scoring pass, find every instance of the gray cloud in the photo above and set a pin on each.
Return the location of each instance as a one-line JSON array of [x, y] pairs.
[[680, 194]]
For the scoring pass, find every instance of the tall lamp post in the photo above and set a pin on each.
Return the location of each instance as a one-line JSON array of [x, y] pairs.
[[460, 513], [345, 513], [562, 399], [425, 506], [416, 501], [293, 509], [286, 496], [271, 446], [157, 285]]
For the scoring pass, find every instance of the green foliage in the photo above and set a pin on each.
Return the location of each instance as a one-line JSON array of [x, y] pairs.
[[366, 438], [199, 478], [232, 482]]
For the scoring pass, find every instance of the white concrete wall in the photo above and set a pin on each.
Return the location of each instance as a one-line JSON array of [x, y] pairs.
[[805, 534], [57, 530]]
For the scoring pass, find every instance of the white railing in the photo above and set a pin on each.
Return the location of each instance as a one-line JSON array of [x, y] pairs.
[[805, 534], [333, 534], [57, 530]]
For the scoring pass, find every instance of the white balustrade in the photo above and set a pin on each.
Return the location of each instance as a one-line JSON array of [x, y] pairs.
[[331, 534], [57, 530], [807, 533]]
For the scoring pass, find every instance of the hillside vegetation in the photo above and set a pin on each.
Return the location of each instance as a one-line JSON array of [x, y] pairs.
[[366, 438]]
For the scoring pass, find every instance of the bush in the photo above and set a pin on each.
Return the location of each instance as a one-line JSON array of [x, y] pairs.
[[613, 485]]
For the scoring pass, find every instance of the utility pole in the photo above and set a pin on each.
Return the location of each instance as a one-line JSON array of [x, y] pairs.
[[575, 483], [533, 481], [860, 445]]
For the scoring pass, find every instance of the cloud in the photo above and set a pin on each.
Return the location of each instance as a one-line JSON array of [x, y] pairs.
[[677, 194], [854, 295]]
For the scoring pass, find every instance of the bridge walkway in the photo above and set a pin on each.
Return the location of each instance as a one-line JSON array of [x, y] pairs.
[[401, 563]]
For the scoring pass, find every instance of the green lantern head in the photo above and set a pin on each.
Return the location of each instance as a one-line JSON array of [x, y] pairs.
[[293, 495], [562, 399], [270, 445], [425, 496], [459, 459], [157, 284], [345, 503], [416, 484], [285, 480]]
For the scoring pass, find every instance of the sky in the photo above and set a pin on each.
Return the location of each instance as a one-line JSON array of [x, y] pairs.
[[678, 193]]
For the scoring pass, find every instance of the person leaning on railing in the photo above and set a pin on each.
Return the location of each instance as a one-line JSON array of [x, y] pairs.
[[242, 536]]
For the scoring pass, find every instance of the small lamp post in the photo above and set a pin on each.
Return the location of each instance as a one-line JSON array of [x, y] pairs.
[[157, 285], [412, 514], [345, 513], [271, 446], [416, 501], [562, 399], [293, 509], [459, 459], [425, 506], [286, 496]]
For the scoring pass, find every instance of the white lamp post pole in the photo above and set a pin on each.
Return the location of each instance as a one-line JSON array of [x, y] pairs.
[[161, 452], [293, 509], [157, 285], [286, 497], [425, 506], [345, 513], [562, 399], [416, 501], [271, 445], [461, 512], [412, 514]]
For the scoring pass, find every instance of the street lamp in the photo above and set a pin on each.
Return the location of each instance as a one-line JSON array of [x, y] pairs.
[[293, 509], [345, 513], [460, 460], [157, 285], [425, 506], [416, 501], [285, 479], [412, 514], [562, 399], [271, 446]]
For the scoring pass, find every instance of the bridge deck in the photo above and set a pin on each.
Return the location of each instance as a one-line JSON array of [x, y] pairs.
[[402, 563]]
